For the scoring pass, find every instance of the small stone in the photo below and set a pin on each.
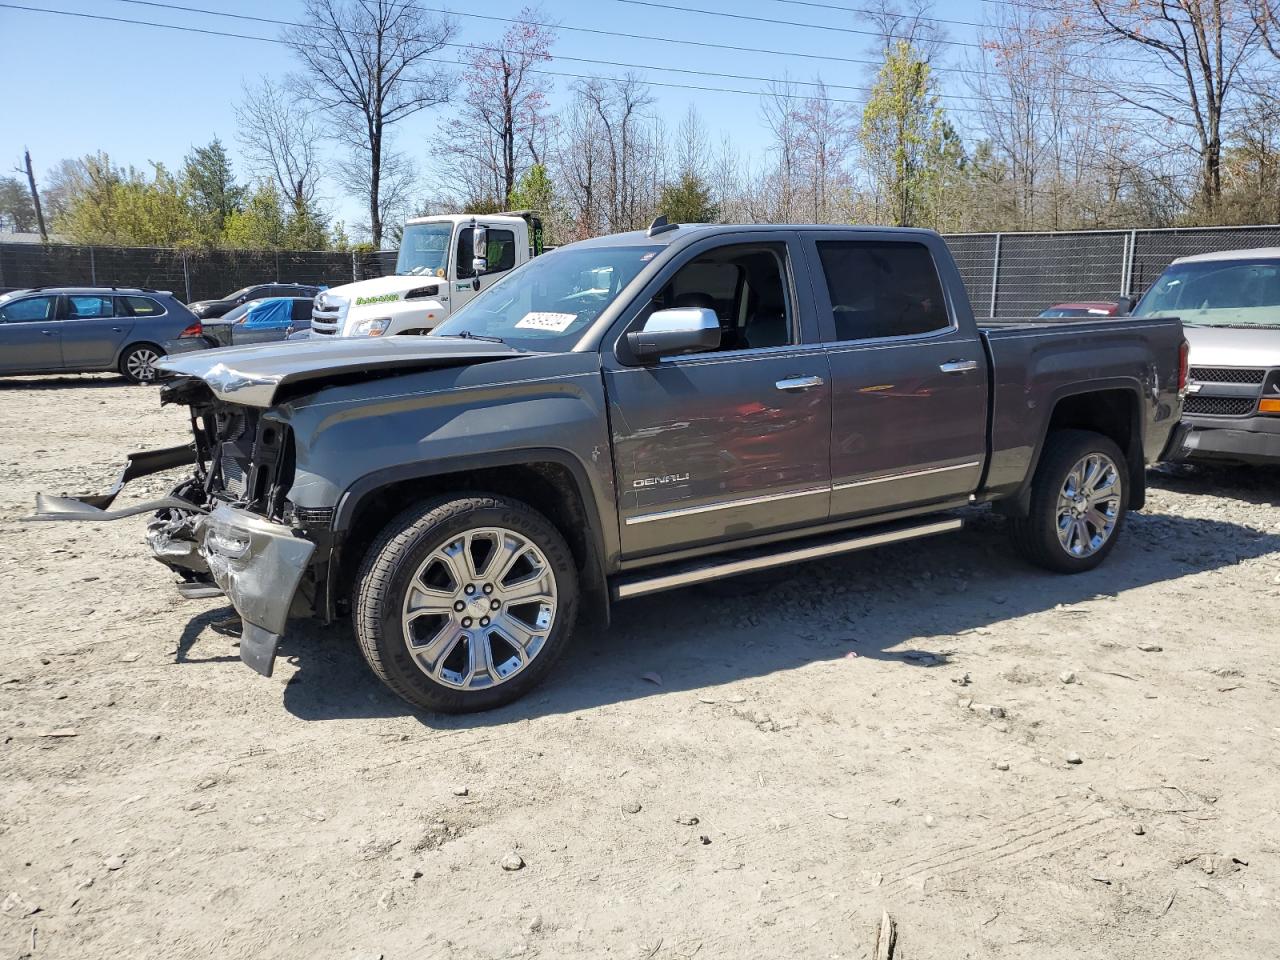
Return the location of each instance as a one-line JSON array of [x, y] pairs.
[[460, 791], [1074, 758], [996, 712], [15, 905], [1150, 647], [195, 805], [1067, 676], [687, 819], [512, 862], [412, 873], [1139, 829], [704, 839], [1002, 765], [928, 820], [631, 807], [113, 863]]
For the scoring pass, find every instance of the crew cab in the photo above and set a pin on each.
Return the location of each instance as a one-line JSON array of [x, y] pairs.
[[638, 413], [1229, 303], [443, 262]]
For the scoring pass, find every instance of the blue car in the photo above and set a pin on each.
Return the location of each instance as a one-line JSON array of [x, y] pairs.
[[259, 321], [90, 329]]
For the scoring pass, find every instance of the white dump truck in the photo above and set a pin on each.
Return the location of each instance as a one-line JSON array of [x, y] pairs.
[[443, 262]]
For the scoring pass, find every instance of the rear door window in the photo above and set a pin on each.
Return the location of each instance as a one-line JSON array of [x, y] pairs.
[[301, 310], [27, 310], [881, 290], [79, 306]]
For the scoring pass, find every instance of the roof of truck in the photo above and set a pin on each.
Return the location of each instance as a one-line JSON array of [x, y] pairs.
[[682, 231], [1257, 253]]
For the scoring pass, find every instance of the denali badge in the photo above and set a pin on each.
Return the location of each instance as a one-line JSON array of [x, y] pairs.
[[657, 481]]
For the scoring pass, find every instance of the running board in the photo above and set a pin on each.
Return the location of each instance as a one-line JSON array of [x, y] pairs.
[[626, 587]]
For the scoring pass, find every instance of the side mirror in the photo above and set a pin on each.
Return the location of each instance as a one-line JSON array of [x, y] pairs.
[[1124, 306], [669, 333], [479, 249]]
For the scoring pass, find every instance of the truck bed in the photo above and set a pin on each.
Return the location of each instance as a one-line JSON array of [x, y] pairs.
[[1038, 363]]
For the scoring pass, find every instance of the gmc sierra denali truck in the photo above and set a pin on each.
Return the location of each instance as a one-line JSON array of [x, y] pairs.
[[638, 413]]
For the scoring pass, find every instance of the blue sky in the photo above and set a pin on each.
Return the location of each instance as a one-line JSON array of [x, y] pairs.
[[144, 94]]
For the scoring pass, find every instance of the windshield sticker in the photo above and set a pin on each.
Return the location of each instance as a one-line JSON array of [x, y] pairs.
[[647, 257], [556, 322]]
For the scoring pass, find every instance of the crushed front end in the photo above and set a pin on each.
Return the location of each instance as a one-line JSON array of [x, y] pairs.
[[228, 528]]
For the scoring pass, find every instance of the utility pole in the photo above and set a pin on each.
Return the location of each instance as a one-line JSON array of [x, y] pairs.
[[35, 197]]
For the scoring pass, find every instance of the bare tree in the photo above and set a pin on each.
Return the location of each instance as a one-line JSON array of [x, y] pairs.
[[781, 114], [503, 123], [1202, 47], [907, 20], [280, 138], [826, 139], [691, 147], [617, 107], [35, 195], [370, 63]]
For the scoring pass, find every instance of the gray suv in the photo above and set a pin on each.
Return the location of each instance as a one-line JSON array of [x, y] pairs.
[[89, 329]]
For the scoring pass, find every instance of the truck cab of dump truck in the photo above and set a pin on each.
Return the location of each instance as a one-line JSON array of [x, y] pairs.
[[443, 263]]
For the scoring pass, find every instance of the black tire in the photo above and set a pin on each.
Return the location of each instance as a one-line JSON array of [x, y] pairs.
[[136, 362], [1036, 535], [393, 561]]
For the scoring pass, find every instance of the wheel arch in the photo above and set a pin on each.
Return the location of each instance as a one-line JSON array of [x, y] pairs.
[[550, 481], [1113, 409]]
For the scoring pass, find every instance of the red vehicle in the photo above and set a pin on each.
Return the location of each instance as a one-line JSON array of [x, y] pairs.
[[1089, 308]]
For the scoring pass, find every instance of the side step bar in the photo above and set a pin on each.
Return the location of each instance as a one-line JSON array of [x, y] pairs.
[[626, 587]]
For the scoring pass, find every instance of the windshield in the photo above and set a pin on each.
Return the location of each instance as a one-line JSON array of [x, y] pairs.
[[424, 250], [1217, 293], [546, 304]]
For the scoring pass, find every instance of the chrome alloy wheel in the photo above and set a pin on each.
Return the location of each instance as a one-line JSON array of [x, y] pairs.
[[479, 608], [1089, 505], [140, 365]]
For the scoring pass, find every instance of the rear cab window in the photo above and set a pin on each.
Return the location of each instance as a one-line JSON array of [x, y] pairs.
[[882, 290]]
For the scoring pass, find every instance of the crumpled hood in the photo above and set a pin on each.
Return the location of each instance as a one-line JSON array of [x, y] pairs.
[[1234, 346], [254, 375]]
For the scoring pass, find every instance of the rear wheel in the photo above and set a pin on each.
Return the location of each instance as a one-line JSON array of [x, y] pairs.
[[464, 603], [1079, 498], [138, 363]]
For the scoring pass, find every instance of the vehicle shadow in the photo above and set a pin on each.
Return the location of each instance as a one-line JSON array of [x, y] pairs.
[[91, 381], [1252, 484], [902, 603]]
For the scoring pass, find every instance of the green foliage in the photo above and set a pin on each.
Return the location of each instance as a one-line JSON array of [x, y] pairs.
[[533, 191], [210, 185], [688, 200], [913, 152], [17, 212], [105, 204]]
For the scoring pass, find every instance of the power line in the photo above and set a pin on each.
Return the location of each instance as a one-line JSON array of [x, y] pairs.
[[492, 49], [554, 73], [827, 28]]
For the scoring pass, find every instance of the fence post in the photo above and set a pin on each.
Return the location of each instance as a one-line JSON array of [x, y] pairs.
[[1126, 272], [355, 274], [186, 275], [93, 269], [277, 266], [995, 277]]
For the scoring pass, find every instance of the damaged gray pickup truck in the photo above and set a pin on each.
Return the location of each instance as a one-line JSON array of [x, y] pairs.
[[637, 413]]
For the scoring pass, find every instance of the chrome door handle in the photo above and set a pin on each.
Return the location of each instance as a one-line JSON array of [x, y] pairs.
[[799, 383], [958, 366]]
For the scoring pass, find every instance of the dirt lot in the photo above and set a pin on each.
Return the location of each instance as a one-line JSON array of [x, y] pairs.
[[892, 731]]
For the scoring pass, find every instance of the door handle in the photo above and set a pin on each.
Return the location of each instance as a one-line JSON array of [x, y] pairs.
[[958, 366], [50, 333], [799, 383], [117, 329]]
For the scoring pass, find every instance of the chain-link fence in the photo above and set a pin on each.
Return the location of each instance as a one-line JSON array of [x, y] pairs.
[[191, 275], [1020, 274], [1007, 274]]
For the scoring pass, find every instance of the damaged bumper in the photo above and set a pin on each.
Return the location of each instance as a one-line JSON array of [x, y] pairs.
[[258, 564]]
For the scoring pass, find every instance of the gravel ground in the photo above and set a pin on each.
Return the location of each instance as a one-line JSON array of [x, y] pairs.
[[1011, 764]]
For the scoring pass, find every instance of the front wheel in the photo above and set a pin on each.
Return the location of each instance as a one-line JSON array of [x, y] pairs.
[[1079, 499], [464, 603]]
